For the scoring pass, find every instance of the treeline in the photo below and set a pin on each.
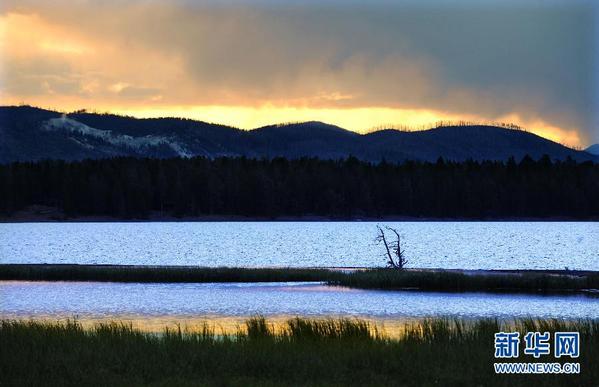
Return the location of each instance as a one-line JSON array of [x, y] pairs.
[[138, 188]]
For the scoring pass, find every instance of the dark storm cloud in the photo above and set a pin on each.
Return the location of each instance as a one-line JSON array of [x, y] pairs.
[[488, 58]]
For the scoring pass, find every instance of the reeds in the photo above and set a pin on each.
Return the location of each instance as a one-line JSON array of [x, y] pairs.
[[301, 352], [526, 282], [385, 279], [171, 274]]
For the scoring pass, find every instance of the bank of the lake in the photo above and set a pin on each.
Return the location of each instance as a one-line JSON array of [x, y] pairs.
[[525, 281], [38, 213], [303, 352]]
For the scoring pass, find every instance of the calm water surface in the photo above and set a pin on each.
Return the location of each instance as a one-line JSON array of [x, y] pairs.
[[468, 245], [20, 299]]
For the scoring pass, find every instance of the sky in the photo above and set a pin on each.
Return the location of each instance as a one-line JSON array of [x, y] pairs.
[[359, 65]]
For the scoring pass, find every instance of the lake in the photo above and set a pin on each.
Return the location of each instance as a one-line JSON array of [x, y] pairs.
[[467, 245], [21, 299]]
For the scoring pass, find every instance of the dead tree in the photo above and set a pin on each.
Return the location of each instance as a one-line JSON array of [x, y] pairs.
[[393, 252]]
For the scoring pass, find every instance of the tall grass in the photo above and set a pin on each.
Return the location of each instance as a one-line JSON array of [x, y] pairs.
[[434, 280], [301, 352], [528, 282], [125, 273]]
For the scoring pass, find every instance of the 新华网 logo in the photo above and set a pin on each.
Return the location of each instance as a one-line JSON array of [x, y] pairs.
[[537, 344]]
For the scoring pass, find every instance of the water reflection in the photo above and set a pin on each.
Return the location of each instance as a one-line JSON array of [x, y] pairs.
[[181, 302]]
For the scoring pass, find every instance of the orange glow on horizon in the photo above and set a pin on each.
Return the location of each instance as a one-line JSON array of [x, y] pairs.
[[65, 68], [360, 120]]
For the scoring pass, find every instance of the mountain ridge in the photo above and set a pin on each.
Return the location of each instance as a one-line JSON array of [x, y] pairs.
[[28, 134], [593, 149]]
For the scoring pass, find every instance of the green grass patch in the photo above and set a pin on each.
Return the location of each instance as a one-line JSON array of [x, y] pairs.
[[340, 352]]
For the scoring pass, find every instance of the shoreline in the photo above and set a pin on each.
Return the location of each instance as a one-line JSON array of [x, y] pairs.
[[305, 268], [242, 219], [441, 280], [45, 214]]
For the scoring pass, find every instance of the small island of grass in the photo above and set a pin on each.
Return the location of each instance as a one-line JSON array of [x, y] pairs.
[[447, 280]]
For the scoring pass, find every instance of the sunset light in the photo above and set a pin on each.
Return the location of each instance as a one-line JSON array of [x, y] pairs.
[[229, 64]]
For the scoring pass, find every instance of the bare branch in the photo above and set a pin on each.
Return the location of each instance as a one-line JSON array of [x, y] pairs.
[[392, 248], [382, 238]]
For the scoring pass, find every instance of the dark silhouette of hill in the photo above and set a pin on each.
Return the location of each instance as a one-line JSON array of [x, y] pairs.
[[593, 149], [475, 142], [29, 134], [312, 139]]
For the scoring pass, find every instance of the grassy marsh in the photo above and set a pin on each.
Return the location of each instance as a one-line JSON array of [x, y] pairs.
[[166, 274], [301, 352], [452, 281], [383, 279]]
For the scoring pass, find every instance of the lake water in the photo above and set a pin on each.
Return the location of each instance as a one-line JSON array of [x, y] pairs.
[[467, 245], [112, 300]]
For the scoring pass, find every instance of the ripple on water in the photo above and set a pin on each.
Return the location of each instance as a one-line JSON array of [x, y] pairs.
[[107, 300], [465, 245]]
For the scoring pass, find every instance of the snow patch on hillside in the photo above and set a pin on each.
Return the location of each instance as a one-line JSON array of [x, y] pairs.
[[72, 126]]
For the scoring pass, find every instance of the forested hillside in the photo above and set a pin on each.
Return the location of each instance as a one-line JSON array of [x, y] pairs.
[[31, 134], [138, 188]]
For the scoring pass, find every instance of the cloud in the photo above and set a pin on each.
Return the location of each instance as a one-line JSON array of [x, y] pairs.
[[533, 61]]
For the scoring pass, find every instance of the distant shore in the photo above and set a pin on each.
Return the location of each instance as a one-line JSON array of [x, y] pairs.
[[443, 280], [49, 214]]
